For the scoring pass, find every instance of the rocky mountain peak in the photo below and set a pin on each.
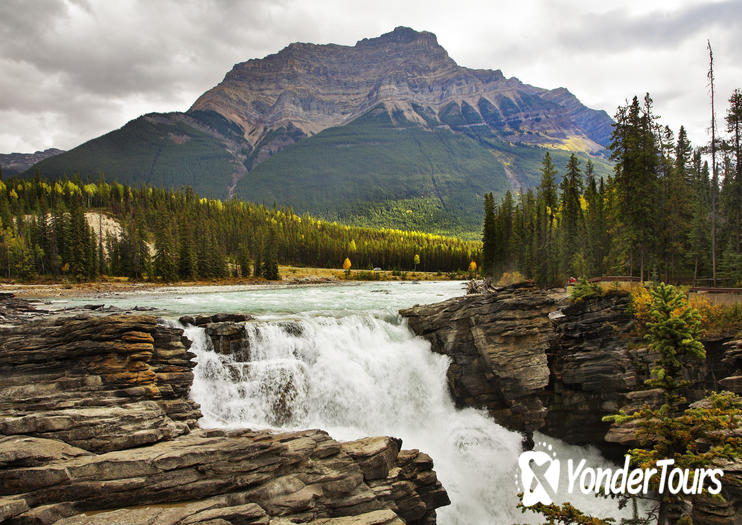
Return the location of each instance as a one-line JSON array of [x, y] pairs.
[[313, 87], [307, 88], [412, 46], [403, 36]]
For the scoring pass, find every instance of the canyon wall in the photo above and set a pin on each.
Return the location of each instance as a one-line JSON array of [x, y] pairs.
[[537, 361]]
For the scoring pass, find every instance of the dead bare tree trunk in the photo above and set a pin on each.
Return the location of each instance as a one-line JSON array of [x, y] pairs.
[[714, 175]]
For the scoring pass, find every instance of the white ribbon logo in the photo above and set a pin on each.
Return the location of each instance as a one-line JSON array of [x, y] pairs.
[[540, 469]]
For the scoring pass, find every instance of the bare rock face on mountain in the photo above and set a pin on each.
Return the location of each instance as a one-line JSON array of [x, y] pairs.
[[309, 88], [96, 427], [12, 163]]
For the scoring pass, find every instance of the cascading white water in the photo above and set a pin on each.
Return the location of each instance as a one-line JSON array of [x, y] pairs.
[[361, 375], [339, 358]]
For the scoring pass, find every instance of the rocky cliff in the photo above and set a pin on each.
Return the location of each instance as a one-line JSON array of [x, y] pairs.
[[96, 427], [536, 361], [497, 343], [312, 87]]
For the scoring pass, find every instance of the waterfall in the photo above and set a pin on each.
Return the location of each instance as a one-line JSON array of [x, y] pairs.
[[361, 375]]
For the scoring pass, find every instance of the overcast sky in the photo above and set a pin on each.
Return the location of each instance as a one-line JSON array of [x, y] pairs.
[[75, 69]]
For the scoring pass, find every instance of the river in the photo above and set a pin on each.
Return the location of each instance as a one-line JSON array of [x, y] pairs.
[[340, 358]]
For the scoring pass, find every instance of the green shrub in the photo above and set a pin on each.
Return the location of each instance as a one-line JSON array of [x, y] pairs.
[[585, 290]]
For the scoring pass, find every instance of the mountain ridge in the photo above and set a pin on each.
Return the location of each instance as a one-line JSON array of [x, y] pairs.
[[300, 85], [13, 163]]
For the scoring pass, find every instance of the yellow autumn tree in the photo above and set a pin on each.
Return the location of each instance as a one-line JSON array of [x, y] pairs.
[[346, 266]]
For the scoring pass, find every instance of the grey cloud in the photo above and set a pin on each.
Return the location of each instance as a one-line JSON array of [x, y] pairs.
[[73, 69], [155, 46], [80, 64], [617, 29]]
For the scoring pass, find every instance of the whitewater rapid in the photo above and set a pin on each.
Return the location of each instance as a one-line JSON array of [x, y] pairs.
[[341, 359], [364, 375]]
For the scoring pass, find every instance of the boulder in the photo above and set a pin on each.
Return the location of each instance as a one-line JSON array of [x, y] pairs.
[[226, 332]]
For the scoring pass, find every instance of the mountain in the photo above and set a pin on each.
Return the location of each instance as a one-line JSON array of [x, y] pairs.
[[14, 163], [389, 132]]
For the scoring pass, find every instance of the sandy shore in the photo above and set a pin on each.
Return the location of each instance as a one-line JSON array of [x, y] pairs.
[[103, 289], [291, 276]]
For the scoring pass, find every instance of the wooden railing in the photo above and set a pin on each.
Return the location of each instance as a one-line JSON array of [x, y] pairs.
[[614, 278]]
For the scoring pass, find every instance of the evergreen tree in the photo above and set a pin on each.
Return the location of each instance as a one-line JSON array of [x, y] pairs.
[[243, 260], [489, 234], [634, 150], [186, 252], [217, 260], [734, 126], [546, 267], [572, 218], [595, 222], [270, 259], [678, 204], [547, 189], [79, 239], [165, 264], [673, 333], [203, 256], [92, 264], [258, 262], [699, 241]]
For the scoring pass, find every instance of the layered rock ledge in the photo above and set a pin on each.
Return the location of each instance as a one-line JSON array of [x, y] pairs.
[[96, 427], [497, 343]]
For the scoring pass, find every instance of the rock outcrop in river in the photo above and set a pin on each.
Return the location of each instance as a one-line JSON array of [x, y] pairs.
[[96, 427], [497, 343]]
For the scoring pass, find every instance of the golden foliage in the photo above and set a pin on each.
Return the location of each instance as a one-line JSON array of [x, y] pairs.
[[717, 319], [510, 278], [641, 304]]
